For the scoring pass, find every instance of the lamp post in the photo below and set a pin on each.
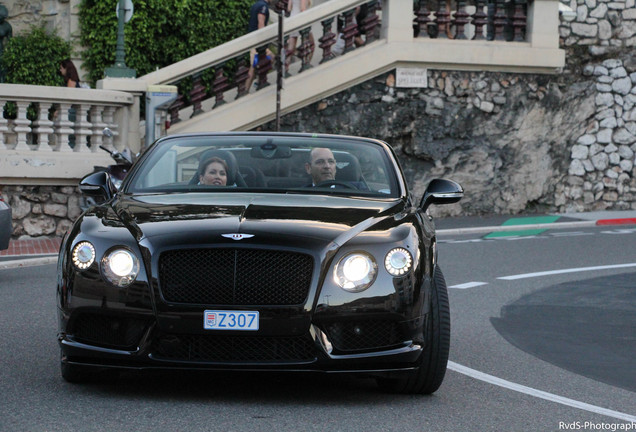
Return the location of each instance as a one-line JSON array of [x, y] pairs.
[[119, 69], [281, 10]]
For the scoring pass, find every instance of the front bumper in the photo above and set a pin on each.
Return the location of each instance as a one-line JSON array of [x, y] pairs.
[[139, 343]]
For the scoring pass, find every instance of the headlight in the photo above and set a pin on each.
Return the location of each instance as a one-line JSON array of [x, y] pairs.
[[355, 272], [398, 261], [83, 255], [120, 267]]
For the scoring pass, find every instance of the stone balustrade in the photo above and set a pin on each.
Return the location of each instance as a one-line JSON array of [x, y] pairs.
[[51, 135]]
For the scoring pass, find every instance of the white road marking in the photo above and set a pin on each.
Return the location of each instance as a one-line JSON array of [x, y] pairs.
[[620, 231], [539, 393], [572, 270], [468, 285]]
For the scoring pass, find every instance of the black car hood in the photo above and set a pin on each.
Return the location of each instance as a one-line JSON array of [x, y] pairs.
[[290, 220]]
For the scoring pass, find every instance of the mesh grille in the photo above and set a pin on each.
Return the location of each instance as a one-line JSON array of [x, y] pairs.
[[351, 336], [211, 348], [235, 276], [107, 331]]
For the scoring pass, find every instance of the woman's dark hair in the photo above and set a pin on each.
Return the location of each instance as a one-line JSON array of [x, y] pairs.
[[207, 162], [71, 72]]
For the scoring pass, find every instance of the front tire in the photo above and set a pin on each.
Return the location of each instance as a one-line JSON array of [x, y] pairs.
[[432, 363]]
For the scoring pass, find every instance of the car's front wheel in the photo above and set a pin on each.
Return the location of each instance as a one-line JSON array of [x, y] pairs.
[[432, 364]]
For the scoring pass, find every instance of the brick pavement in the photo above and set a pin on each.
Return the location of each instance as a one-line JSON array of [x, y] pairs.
[[36, 246]]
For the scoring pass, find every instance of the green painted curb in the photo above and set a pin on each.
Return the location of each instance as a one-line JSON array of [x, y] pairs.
[[524, 221]]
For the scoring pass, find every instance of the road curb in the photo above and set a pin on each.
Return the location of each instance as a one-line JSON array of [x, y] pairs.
[[621, 221], [501, 228], [28, 262]]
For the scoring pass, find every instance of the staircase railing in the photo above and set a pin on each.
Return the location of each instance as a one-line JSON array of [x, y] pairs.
[[514, 35]]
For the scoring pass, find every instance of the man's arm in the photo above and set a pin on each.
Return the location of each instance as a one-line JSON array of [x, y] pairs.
[[261, 20]]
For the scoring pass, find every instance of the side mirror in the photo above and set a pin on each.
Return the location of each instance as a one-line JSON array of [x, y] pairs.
[[441, 191], [99, 185]]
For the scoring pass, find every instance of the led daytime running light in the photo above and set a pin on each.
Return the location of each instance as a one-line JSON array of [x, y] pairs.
[[398, 261], [83, 255]]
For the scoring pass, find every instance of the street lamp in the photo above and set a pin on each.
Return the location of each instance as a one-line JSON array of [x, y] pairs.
[[281, 9], [124, 12]]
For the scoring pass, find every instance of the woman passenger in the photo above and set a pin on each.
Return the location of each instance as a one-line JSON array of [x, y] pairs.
[[213, 172]]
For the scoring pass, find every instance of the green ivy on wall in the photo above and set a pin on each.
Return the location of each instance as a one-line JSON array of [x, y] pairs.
[[160, 32], [35, 58]]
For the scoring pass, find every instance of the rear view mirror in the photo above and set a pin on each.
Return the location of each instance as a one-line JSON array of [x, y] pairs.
[[441, 191], [271, 151]]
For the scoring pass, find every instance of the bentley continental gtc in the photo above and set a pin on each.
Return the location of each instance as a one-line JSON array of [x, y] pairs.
[[258, 251]]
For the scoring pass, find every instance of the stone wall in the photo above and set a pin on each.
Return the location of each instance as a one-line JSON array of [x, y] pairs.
[[52, 14], [42, 210], [505, 137], [601, 173], [603, 26], [517, 143]]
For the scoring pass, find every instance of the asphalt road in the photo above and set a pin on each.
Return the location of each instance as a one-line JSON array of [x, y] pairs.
[[530, 351]]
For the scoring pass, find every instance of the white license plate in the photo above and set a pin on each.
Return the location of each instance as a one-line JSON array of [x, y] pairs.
[[230, 320]]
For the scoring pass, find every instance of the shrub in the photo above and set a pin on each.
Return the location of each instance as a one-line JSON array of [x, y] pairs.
[[160, 33], [35, 58]]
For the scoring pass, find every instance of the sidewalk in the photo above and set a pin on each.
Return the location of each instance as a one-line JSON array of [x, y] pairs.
[[32, 247]]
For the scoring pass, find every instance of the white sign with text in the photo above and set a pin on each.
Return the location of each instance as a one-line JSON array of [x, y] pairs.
[[411, 77]]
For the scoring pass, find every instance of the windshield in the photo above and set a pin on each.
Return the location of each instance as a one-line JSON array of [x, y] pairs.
[[267, 163]]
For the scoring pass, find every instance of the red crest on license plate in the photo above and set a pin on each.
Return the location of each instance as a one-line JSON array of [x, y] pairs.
[[210, 319]]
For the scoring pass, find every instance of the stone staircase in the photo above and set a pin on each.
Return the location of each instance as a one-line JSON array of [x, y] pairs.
[[532, 46]]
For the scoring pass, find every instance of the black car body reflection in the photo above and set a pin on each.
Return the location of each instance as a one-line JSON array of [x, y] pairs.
[[273, 270]]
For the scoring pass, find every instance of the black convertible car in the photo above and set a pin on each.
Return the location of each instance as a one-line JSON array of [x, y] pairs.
[[259, 251]]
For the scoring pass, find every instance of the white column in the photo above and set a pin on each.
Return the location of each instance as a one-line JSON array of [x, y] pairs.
[[63, 128], [397, 20], [97, 137], [82, 129], [22, 126], [543, 24], [4, 126], [108, 116], [43, 127]]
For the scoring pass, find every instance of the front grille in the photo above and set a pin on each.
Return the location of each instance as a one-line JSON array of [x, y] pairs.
[[108, 331], [364, 335], [235, 276], [252, 349]]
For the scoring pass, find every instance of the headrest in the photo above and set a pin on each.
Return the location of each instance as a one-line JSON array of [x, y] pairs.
[[348, 168]]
